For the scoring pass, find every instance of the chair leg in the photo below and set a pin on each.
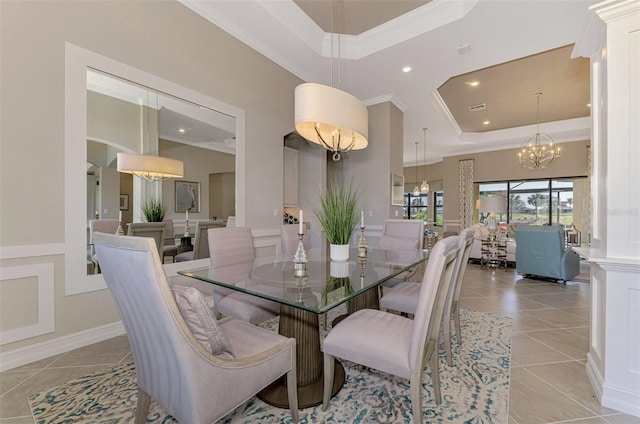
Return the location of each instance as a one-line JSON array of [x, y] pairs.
[[142, 407], [446, 325], [416, 397], [455, 309], [292, 392], [329, 362], [432, 356]]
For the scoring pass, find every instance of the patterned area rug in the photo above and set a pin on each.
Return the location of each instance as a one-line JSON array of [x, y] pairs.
[[474, 390]]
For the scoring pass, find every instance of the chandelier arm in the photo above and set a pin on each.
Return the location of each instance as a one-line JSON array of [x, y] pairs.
[[324, 143]]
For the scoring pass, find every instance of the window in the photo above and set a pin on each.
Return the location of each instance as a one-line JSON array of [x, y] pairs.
[[438, 200], [414, 205], [538, 202]]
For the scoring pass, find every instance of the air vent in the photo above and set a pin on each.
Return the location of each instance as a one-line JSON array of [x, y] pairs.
[[475, 108]]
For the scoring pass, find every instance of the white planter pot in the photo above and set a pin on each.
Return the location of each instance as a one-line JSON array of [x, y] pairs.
[[339, 269], [339, 252]]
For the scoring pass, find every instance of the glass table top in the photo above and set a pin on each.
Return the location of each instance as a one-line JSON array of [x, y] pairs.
[[326, 285]]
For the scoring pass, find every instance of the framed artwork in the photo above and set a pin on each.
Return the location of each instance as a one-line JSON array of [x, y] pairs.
[[124, 202], [187, 196], [397, 189]]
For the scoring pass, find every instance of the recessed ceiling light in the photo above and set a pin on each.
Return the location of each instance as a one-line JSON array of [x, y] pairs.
[[182, 130], [473, 83], [406, 69], [486, 123]]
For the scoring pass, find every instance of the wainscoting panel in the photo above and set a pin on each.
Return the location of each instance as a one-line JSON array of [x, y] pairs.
[[44, 274]]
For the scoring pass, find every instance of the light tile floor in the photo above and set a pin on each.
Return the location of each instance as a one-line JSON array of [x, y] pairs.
[[548, 377]]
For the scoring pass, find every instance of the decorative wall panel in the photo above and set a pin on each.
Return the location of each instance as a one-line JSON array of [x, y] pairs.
[[465, 181]]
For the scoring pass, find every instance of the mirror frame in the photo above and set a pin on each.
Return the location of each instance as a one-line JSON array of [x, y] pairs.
[[77, 61]]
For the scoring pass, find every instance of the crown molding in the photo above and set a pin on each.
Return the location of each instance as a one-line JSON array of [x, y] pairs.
[[386, 98], [421, 20], [216, 12]]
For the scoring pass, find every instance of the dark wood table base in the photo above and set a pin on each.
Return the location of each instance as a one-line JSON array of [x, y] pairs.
[[304, 326], [308, 396]]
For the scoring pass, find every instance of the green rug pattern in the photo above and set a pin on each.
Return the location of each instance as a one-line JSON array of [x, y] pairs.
[[474, 390]]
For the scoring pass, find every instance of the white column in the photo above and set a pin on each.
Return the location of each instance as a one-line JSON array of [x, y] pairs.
[[612, 41]]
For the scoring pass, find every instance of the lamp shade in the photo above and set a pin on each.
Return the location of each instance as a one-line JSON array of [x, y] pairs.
[[496, 204], [152, 168], [331, 117]]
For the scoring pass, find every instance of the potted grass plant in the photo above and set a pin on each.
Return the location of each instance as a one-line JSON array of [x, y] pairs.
[[337, 216], [154, 210]]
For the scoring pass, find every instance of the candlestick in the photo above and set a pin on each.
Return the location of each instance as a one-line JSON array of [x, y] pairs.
[[362, 244], [300, 227], [300, 259]]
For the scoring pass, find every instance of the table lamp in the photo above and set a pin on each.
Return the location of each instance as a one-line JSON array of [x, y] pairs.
[[493, 205]]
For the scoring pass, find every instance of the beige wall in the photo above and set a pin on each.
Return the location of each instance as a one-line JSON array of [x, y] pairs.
[[199, 164], [162, 38], [371, 168], [499, 165]]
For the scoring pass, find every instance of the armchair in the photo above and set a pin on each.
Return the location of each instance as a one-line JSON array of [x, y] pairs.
[[174, 365], [542, 252]]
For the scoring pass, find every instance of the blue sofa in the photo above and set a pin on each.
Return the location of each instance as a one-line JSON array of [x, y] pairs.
[[541, 252]]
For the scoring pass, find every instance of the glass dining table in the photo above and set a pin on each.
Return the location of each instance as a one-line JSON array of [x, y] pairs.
[[323, 286]]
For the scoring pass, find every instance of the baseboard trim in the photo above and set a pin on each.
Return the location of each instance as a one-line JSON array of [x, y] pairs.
[[22, 356], [621, 399], [593, 374]]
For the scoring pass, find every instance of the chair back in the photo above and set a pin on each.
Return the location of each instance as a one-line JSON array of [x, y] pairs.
[[437, 278], [289, 240], [201, 244], [230, 245], [155, 230], [466, 242], [163, 352], [108, 226], [231, 221], [402, 234], [169, 232]]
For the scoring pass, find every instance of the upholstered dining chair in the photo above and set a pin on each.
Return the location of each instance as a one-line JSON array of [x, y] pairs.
[[196, 368], [155, 230], [402, 234], [234, 246], [392, 343], [201, 243], [289, 239], [404, 296], [109, 226], [170, 248]]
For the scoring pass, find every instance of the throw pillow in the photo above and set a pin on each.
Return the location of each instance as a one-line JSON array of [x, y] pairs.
[[200, 321]]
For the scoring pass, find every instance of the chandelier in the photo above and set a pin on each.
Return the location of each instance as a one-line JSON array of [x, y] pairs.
[[539, 150], [330, 117], [416, 189], [150, 167], [424, 188]]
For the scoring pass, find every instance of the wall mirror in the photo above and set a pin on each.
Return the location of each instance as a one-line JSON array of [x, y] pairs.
[[111, 107], [126, 117]]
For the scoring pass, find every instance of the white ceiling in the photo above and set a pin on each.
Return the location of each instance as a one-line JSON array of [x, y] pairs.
[[426, 38]]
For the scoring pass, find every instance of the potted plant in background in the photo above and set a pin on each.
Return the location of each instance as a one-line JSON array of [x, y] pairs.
[[337, 216], [154, 210]]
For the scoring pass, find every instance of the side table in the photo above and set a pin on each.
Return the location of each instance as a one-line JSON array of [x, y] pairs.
[[494, 254]]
